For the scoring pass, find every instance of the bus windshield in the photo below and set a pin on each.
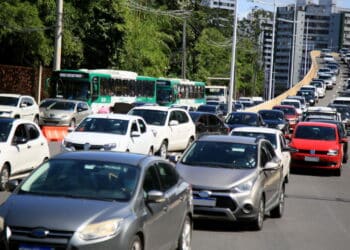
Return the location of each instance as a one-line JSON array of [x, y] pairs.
[[164, 96], [72, 89]]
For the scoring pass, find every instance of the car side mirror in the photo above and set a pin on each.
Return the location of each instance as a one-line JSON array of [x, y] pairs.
[[19, 140], [271, 166], [11, 185], [80, 109], [135, 134], [344, 140], [155, 196], [173, 123], [23, 105]]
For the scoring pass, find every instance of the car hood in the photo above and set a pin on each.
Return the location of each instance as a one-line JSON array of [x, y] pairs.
[[53, 112], [93, 138], [58, 212], [320, 145], [7, 108], [237, 125], [213, 178], [274, 122]]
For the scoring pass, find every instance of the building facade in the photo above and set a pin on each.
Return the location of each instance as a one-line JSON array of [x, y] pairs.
[[220, 4]]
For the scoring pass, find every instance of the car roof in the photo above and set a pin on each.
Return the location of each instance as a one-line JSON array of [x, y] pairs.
[[115, 116], [258, 130], [110, 156], [160, 108], [229, 138], [329, 121], [342, 98], [244, 112], [13, 95], [290, 100], [271, 111], [320, 109], [284, 106]]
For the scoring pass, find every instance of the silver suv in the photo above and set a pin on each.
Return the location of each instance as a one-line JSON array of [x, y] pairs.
[[234, 178]]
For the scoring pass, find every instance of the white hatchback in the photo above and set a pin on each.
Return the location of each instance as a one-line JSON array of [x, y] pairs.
[[173, 127], [23, 147], [277, 140], [19, 106], [112, 132]]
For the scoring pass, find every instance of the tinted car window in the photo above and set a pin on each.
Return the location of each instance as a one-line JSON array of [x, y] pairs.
[[5, 128], [315, 133], [181, 117], [242, 118], [142, 126], [33, 132], [153, 117], [103, 125], [151, 181], [267, 136], [168, 176]]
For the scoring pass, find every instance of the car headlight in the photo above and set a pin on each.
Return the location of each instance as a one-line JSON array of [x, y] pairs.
[[100, 230], [243, 187], [332, 152], [312, 100], [6, 113], [109, 146]]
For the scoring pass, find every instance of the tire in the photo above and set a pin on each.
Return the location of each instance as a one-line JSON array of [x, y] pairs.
[[4, 176], [163, 150], [36, 120], [72, 123], [185, 237], [277, 212], [136, 243], [337, 172], [258, 222]]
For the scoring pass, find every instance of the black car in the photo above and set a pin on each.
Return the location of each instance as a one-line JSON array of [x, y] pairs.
[[275, 119], [240, 119], [214, 109], [309, 96], [344, 111], [207, 123]]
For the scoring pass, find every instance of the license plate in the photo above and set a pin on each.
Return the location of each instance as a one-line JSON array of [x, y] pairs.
[[312, 159], [33, 247], [208, 202]]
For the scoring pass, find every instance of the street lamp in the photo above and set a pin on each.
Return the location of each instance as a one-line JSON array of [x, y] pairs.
[[306, 45], [233, 60]]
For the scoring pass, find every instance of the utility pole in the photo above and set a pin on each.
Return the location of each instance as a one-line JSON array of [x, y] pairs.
[[306, 45], [58, 35], [233, 60], [293, 46], [183, 4]]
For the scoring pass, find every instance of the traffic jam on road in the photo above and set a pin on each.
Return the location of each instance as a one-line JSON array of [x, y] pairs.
[[142, 179]]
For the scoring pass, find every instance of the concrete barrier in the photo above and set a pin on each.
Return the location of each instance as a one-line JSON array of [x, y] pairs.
[[305, 81]]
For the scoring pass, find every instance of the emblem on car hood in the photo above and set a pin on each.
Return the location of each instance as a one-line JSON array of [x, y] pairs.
[[205, 194], [39, 232]]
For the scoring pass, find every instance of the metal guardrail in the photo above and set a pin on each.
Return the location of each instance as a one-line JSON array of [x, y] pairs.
[[305, 81]]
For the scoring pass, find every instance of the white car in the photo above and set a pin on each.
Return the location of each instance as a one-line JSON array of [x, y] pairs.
[[321, 88], [295, 103], [310, 87], [22, 148], [111, 132], [277, 140], [19, 106], [173, 127]]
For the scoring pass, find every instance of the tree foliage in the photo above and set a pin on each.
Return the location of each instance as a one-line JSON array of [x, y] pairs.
[[113, 34]]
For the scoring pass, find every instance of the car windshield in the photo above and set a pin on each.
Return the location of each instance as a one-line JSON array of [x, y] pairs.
[[271, 115], [103, 125], [5, 128], [242, 118], [46, 103], [315, 133], [232, 155], [295, 104], [8, 101], [301, 100], [152, 117], [86, 179], [286, 110], [268, 136], [68, 106], [316, 84], [207, 108]]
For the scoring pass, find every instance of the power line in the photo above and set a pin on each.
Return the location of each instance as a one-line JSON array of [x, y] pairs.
[[26, 29]]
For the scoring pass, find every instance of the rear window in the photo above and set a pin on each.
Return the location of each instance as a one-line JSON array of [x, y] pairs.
[[315, 133]]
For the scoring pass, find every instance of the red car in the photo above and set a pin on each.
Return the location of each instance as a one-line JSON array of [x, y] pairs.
[[290, 113], [317, 145]]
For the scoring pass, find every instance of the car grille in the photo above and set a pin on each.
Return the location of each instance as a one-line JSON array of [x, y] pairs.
[[222, 201], [317, 152], [91, 147], [55, 239], [313, 164]]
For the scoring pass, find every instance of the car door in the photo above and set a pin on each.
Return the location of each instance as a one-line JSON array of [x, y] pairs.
[[285, 155], [146, 136], [136, 144], [175, 136], [202, 125], [155, 227], [19, 152], [272, 178], [174, 193], [36, 146], [215, 125], [26, 108], [185, 129]]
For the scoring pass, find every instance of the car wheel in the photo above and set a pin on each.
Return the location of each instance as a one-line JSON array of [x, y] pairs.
[[257, 223], [36, 120], [163, 151], [337, 172], [72, 123], [136, 243], [186, 235], [4, 176], [277, 212]]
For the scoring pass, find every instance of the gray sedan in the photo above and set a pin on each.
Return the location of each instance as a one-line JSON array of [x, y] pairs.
[[234, 178], [99, 200]]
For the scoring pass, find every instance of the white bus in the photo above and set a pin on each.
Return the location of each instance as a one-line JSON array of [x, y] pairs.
[[216, 93]]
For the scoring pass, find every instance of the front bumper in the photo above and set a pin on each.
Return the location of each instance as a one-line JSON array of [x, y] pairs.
[[319, 160], [227, 206], [44, 121]]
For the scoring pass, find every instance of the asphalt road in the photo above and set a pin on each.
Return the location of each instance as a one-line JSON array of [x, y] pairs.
[[316, 214]]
